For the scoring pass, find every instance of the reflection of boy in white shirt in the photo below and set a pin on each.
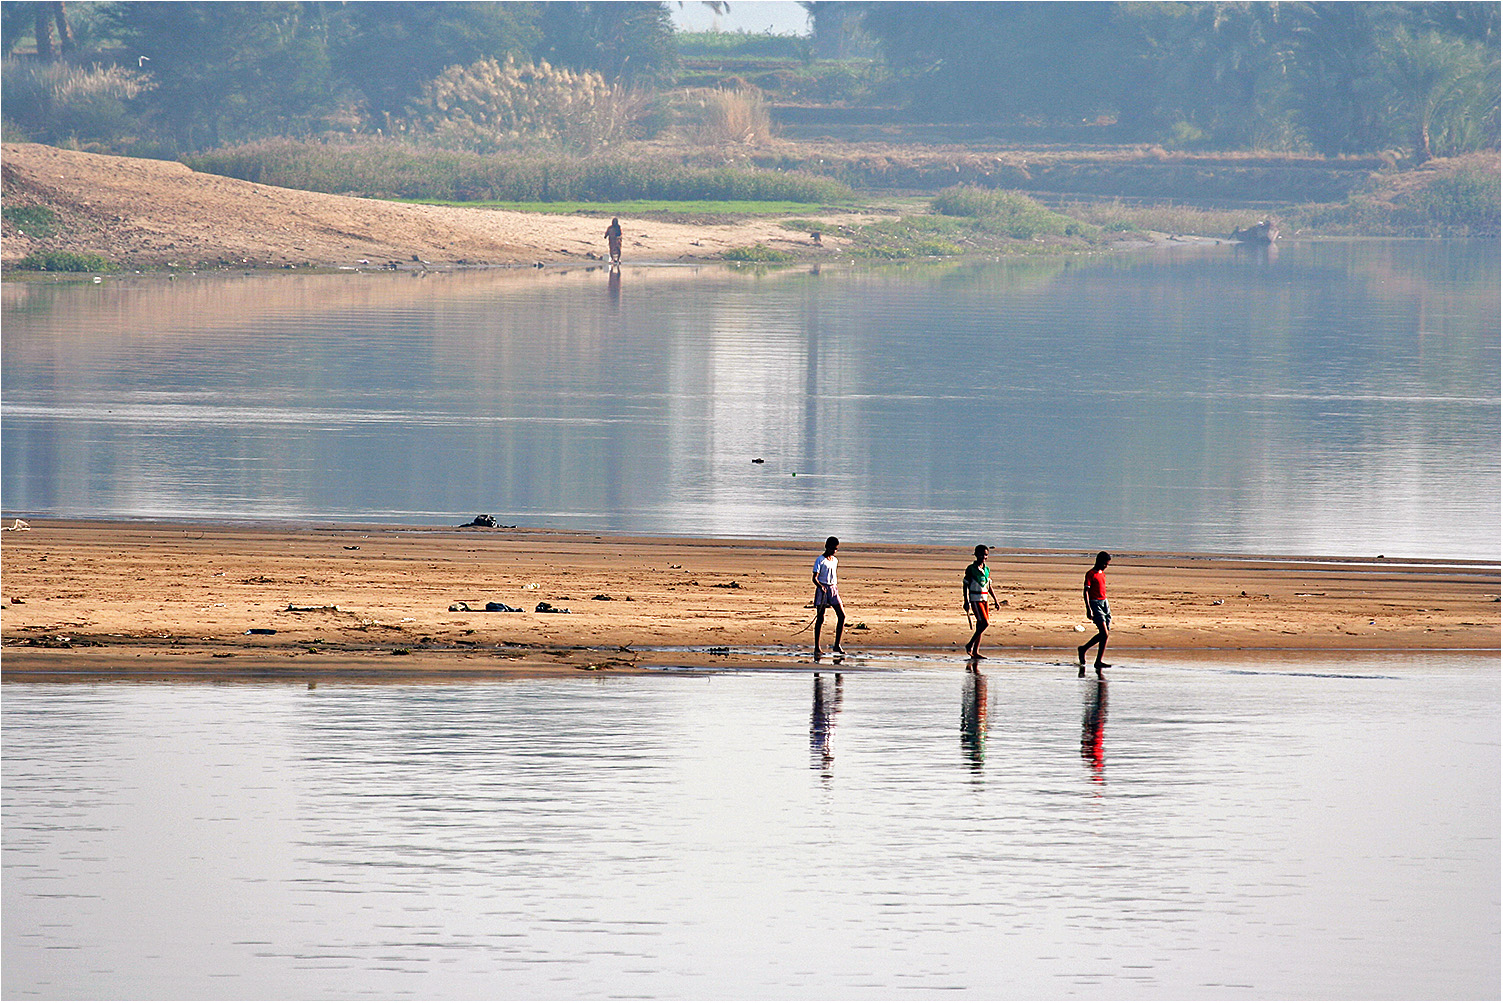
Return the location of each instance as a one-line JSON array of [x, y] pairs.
[[826, 596]]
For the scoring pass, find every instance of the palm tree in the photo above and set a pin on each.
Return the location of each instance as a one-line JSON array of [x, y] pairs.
[[1431, 76]]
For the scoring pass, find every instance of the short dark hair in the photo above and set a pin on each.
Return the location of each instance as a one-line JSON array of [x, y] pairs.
[[1102, 558], [831, 543], [981, 548]]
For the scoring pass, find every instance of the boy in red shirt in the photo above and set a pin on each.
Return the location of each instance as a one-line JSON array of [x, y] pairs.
[[1099, 612]]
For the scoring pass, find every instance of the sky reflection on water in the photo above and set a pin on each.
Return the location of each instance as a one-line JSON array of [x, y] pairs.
[[1314, 829], [1337, 398]]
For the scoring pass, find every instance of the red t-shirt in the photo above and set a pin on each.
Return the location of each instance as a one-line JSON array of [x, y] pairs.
[[1095, 583]]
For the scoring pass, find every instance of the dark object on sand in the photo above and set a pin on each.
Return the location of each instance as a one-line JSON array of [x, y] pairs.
[[544, 607], [490, 607], [1263, 232], [489, 521]]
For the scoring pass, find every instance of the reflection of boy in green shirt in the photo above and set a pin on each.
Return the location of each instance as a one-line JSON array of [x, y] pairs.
[[978, 586]]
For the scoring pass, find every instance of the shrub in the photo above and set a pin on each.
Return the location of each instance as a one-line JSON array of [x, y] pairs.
[[756, 252], [32, 220], [967, 200], [59, 103], [1465, 201], [716, 116], [64, 261], [921, 248], [1016, 215], [742, 44], [1119, 217], [1460, 204]]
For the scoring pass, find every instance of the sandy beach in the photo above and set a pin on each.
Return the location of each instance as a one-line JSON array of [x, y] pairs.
[[161, 214], [156, 600]]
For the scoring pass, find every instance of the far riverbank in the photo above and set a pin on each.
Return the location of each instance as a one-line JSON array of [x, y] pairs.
[[69, 211]]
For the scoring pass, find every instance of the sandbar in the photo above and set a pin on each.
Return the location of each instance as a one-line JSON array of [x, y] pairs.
[[95, 600]]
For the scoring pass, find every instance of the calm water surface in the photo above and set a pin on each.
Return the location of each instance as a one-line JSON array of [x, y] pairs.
[[1311, 829], [1331, 398]]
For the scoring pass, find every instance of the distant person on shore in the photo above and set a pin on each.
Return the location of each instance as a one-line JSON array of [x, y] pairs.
[[613, 240], [978, 586], [1099, 612], [826, 596]]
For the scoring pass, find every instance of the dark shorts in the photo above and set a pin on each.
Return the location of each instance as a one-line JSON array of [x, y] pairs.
[[1100, 612], [826, 597]]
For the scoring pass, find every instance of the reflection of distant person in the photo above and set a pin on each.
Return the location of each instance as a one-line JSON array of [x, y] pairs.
[[1093, 730], [822, 723], [973, 718], [826, 596], [978, 585], [613, 240], [1099, 612]]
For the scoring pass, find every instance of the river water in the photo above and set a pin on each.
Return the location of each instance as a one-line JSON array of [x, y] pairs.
[[1323, 829], [1317, 828], [1323, 398]]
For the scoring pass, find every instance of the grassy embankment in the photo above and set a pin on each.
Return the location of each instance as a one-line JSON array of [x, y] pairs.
[[1455, 199], [1442, 199]]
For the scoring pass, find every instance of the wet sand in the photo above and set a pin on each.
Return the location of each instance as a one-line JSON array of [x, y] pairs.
[[158, 600]]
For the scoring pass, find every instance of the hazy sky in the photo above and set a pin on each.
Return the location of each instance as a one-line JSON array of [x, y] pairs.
[[784, 17]]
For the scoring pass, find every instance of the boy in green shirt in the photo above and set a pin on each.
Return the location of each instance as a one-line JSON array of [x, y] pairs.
[[978, 586]]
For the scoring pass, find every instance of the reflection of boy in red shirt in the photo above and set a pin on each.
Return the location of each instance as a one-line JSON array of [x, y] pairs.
[[1099, 612]]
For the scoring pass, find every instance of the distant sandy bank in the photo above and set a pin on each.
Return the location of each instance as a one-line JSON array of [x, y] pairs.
[[156, 213], [100, 600]]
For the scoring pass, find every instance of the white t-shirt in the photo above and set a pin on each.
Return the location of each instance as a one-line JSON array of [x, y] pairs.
[[824, 570]]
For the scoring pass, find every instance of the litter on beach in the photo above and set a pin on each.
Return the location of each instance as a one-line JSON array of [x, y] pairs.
[[490, 607]]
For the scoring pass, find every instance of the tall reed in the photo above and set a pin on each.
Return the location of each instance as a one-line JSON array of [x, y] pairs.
[[489, 106]]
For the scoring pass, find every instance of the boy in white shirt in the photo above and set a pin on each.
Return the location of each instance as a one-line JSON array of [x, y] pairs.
[[826, 596]]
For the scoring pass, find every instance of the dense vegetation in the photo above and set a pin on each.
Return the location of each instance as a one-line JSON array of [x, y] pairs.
[[602, 102], [1331, 77], [175, 78]]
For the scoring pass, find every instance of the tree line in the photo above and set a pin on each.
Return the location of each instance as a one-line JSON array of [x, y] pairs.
[[1333, 77], [207, 74], [1330, 77]]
